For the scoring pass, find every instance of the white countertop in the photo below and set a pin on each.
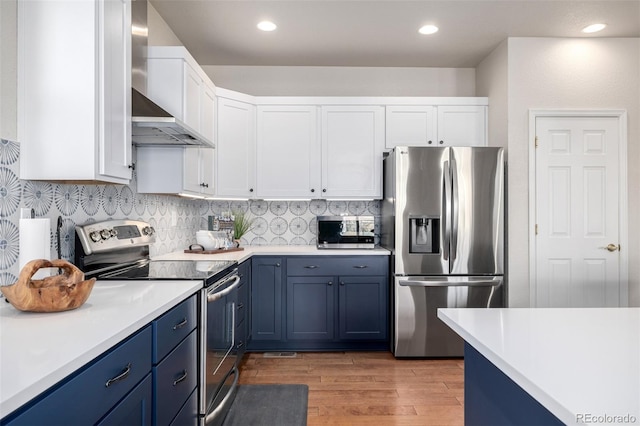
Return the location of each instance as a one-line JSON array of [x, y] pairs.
[[37, 350], [572, 361], [249, 251]]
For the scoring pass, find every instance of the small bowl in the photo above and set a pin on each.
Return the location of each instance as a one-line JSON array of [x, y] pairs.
[[57, 293], [208, 240]]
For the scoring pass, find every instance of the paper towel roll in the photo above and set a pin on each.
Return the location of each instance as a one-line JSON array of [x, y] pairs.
[[35, 243]]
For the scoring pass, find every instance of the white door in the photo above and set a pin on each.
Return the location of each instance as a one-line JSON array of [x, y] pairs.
[[577, 211]]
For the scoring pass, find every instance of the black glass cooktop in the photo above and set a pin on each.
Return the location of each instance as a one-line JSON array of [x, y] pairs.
[[207, 270]]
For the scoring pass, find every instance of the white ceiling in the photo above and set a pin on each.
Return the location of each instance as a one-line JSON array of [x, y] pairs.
[[380, 33]]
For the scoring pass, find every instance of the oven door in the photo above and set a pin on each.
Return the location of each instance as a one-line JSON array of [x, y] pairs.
[[218, 373]]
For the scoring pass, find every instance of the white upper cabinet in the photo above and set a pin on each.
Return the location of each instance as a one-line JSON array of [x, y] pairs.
[[462, 125], [199, 171], [352, 146], [288, 152], [236, 153], [207, 111], [436, 125], [411, 125], [74, 90], [175, 170], [178, 84]]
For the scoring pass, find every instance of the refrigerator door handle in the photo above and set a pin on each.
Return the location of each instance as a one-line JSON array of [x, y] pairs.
[[446, 210], [454, 211], [446, 283]]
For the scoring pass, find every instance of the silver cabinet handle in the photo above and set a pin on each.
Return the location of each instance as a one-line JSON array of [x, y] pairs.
[[330, 283], [360, 266], [180, 324], [278, 265], [341, 282], [181, 378], [311, 267], [121, 376]]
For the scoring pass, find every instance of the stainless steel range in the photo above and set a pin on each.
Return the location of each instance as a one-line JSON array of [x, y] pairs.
[[119, 250]]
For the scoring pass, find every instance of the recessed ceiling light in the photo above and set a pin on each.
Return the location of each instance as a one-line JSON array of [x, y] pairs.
[[267, 26], [428, 29], [594, 28]]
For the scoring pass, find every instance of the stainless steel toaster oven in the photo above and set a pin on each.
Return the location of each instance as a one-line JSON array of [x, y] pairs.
[[345, 232]]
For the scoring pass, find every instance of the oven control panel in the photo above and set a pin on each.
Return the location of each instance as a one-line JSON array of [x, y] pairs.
[[114, 234]]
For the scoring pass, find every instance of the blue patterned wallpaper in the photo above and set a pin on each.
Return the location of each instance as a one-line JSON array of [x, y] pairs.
[[176, 219]]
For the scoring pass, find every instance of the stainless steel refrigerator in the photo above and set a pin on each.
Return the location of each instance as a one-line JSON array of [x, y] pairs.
[[443, 220]]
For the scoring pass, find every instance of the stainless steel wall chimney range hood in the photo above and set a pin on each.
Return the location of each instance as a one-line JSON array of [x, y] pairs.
[[151, 124]]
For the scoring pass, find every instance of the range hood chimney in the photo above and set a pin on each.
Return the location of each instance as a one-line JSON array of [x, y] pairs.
[[151, 124]]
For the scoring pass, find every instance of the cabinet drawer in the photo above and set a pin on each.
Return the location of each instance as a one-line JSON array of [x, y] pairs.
[[337, 265], [175, 379], [172, 327], [188, 414], [85, 398]]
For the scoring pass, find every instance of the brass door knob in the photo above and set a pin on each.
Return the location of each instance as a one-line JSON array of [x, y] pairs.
[[613, 247]]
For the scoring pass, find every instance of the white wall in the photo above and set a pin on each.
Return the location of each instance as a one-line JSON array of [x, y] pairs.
[[597, 73], [344, 81], [8, 72], [325, 81]]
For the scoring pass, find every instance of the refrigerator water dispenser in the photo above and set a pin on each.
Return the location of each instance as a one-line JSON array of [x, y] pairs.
[[424, 235]]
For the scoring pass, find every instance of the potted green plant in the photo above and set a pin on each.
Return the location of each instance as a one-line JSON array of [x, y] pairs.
[[242, 224]]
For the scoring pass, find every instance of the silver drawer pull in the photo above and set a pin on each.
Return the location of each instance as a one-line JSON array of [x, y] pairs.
[[181, 378], [360, 266], [311, 267], [121, 376], [180, 324]]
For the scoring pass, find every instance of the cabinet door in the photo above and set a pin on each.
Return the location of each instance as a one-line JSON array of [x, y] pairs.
[[363, 311], [236, 149], [191, 101], [310, 308], [207, 172], [352, 146], [288, 151], [191, 180], [462, 126], [115, 144], [266, 298], [244, 299], [207, 111], [134, 409], [410, 126]]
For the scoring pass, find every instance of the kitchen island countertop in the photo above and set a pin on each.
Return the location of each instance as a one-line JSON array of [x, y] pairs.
[[579, 363], [249, 251], [40, 349]]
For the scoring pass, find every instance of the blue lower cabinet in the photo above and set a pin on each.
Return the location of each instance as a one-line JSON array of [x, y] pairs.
[[325, 303], [134, 409], [188, 415], [89, 395], [310, 308], [175, 377], [266, 299], [492, 398], [364, 307]]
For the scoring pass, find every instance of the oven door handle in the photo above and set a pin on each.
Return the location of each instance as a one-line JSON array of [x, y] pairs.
[[212, 295]]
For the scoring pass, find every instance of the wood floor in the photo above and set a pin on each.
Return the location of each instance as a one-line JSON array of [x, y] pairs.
[[367, 388]]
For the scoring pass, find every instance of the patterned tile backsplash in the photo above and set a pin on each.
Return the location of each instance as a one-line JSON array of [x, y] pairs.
[[176, 219]]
